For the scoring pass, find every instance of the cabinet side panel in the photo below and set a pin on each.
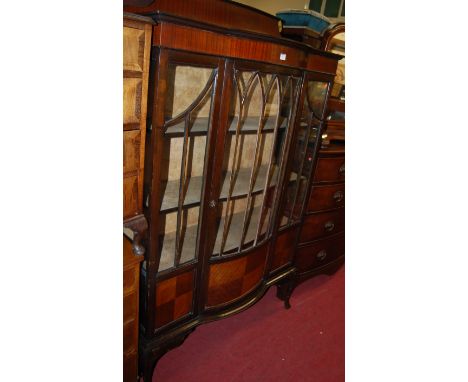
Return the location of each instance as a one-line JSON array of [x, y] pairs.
[[284, 248]]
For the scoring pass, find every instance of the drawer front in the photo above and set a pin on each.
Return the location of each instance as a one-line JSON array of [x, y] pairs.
[[326, 197], [320, 253], [330, 169], [321, 225]]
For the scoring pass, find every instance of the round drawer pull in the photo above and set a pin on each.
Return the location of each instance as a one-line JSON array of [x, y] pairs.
[[212, 204], [321, 255], [338, 196], [341, 170], [329, 226]]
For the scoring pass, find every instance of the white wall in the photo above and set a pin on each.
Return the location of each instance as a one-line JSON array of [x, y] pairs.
[[273, 6]]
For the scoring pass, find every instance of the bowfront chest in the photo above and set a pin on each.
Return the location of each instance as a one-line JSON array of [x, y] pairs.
[[234, 120]]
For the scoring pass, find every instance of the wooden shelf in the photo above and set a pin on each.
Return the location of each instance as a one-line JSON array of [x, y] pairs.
[[190, 237], [241, 187], [200, 126], [168, 247]]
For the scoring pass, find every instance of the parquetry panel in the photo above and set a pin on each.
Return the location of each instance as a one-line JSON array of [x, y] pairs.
[[174, 298], [232, 279]]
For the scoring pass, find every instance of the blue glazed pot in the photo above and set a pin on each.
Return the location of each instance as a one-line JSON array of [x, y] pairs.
[[304, 18]]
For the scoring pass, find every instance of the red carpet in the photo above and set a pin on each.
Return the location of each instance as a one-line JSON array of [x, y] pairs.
[[268, 342]]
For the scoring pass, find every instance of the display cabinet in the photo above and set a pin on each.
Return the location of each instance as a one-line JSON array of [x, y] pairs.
[[235, 117]]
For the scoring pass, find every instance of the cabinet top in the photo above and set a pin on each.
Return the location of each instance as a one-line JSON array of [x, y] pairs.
[[224, 16], [221, 13]]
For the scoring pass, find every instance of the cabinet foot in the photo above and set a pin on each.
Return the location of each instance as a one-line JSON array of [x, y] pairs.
[[149, 356], [284, 291]]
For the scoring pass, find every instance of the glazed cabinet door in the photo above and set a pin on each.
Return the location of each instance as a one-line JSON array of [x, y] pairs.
[[182, 123], [251, 154], [304, 149], [303, 152]]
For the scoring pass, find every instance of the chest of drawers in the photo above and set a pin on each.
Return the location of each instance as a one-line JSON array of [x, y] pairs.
[[321, 241]]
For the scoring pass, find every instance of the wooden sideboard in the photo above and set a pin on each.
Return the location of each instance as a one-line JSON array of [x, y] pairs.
[[235, 118]]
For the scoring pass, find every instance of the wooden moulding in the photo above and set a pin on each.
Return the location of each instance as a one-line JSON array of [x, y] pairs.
[[220, 13], [193, 39]]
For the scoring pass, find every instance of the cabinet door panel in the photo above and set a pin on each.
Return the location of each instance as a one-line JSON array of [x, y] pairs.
[[304, 151], [261, 112], [187, 122]]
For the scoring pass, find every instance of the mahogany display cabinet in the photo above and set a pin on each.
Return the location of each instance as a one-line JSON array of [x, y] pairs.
[[235, 115]]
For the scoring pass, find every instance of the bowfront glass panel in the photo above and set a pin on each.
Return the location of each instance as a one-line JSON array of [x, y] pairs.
[[303, 151], [187, 116], [261, 113]]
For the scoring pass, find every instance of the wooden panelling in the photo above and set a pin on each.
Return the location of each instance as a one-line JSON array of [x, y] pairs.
[[284, 248], [174, 298], [130, 335], [232, 279], [320, 252], [326, 197], [322, 224], [321, 64], [136, 44], [130, 366], [134, 48], [132, 95], [130, 277], [131, 205], [192, 39], [130, 302], [136, 53], [330, 169], [131, 151]]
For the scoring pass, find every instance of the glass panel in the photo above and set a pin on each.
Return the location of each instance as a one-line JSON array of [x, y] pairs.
[[187, 120], [302, 154], [315, 5], [260, 114], [317, 95], [332, 8]]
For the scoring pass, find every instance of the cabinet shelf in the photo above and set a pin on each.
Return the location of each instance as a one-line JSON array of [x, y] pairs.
[[190, 236], [241, 187], [200, 126]]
